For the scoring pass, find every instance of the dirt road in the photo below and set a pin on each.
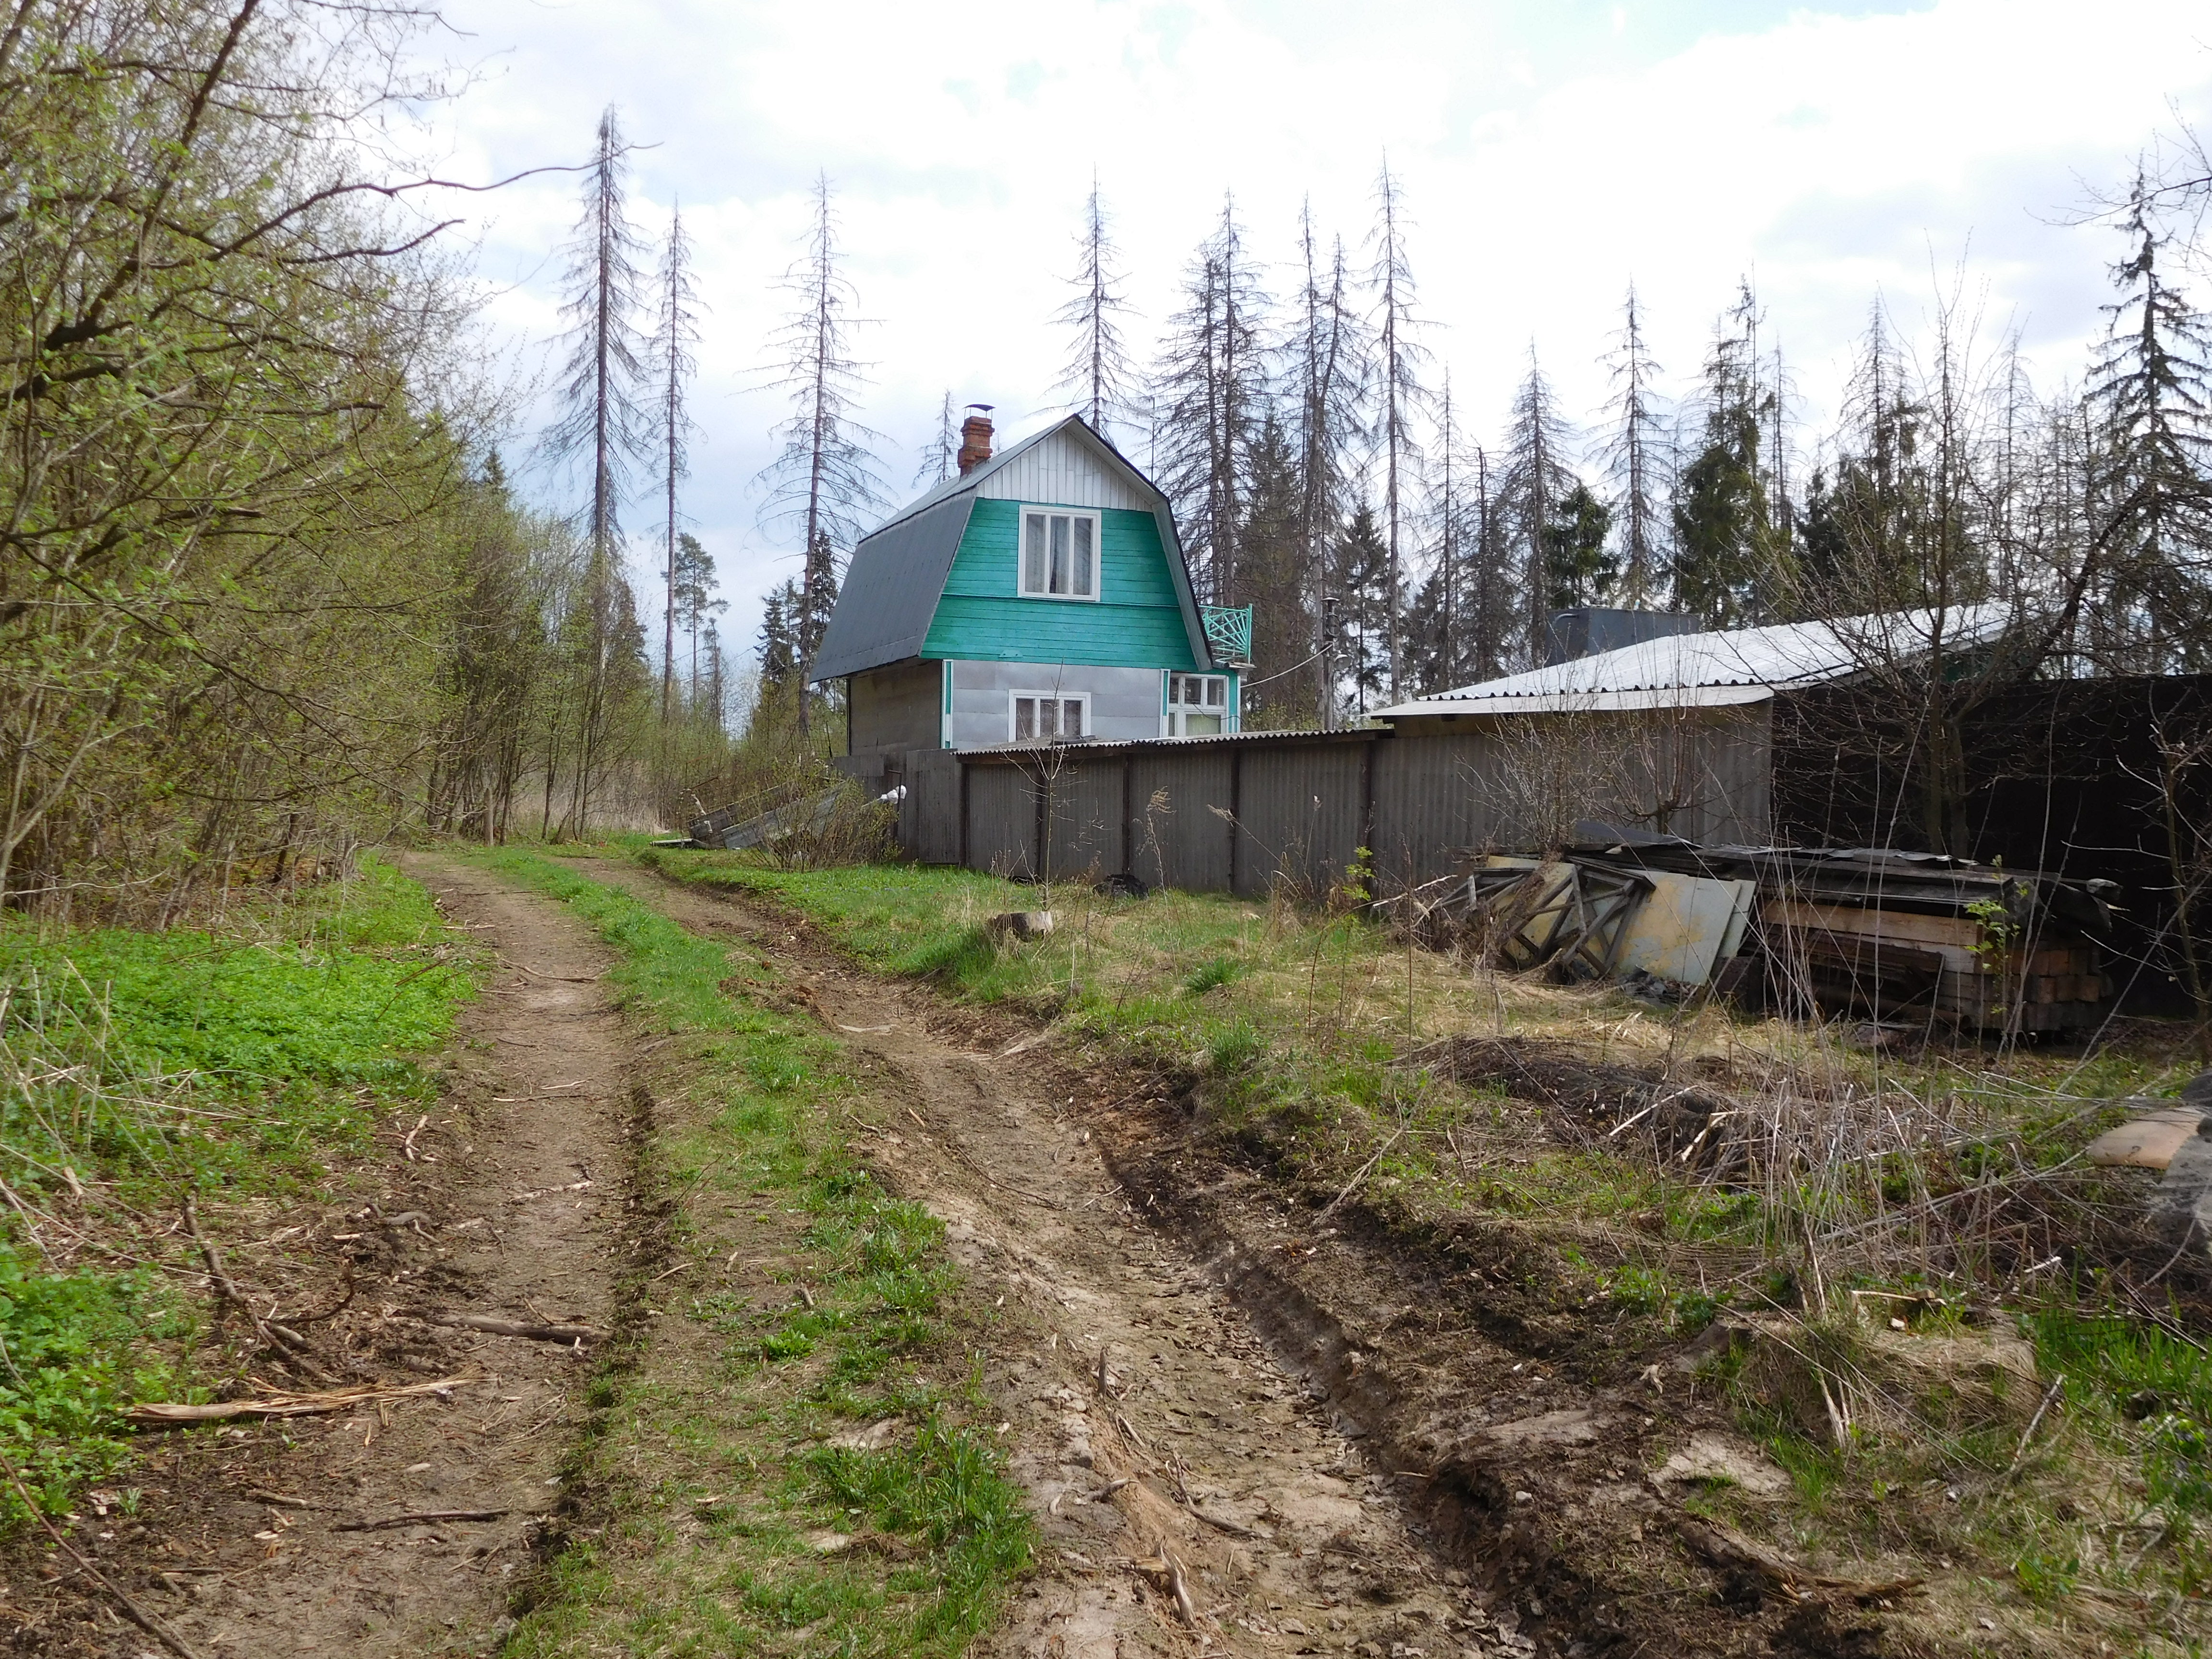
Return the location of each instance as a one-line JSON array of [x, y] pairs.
[[1147, 1420], [1241, 1431], [505, 1201]]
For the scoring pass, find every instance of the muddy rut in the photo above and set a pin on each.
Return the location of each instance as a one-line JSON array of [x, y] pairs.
[[1195, 1490]]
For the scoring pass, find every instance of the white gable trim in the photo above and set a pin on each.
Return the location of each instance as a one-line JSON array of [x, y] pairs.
[[1060, 470]]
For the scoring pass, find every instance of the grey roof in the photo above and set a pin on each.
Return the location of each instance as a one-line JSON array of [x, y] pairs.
[[1735, 665], [889, 595], [898, 571]]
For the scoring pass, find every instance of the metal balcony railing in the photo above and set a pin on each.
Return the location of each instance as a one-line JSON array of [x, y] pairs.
[[1228, 632]]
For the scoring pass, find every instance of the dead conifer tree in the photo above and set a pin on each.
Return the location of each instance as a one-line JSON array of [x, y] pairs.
[[1328, 364], [675, 342], [823, 481], [605, 426], [1099, 377], [1400, 357], [1209, 396], [943, 449], [1634, 455]]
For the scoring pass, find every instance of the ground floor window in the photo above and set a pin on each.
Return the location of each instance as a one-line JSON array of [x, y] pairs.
[[1197, 705], [1045, 716]]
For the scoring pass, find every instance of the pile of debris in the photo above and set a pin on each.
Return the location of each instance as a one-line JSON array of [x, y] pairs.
[[1916, 939], [734, 828]]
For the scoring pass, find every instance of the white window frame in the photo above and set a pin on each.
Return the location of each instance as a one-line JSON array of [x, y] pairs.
[[1172, 711], [1022, 587], [1013, 711]]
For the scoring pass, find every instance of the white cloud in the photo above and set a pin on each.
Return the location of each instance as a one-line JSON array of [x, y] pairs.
[[1548, 155]]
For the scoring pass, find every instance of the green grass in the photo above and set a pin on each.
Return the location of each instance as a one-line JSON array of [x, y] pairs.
[[135, 1065], [1286, 1030], [710, 1467]]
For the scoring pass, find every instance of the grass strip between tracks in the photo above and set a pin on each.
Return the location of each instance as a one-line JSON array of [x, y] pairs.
[[790, 1452]]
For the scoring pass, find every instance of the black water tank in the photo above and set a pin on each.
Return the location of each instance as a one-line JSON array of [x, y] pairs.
[[1590, 628]]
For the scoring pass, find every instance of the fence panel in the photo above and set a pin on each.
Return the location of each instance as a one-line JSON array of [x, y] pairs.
[[1001, 820], [1177, 797], [1299, 810], [1241, 813], [1085, 804]]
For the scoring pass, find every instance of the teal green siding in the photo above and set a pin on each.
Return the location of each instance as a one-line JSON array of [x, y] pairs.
[[1135, 623]]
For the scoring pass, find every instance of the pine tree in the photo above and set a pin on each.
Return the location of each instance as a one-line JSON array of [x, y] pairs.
[[1400, 357], [1211, 391], [1635, 458], [1537, 476], [2149, 397], [823, 482], [674, 347], [1099, 378], [1328, 359], [692, 582]]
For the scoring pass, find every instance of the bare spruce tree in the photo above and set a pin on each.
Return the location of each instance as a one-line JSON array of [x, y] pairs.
[[1436, 638], [1211, 393], [1537, 477], [1635, 456], [943, 449], [1400, 357], [1099, 378], [603, 425], [1328, 366], [823, 481], [674, 343]]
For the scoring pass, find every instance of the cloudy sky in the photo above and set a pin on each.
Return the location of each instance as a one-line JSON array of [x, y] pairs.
[[1551, 151]]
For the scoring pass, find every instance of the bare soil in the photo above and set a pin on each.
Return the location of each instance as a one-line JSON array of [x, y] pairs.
[[1244, 1426], [508, 1202], [1353, 1435]]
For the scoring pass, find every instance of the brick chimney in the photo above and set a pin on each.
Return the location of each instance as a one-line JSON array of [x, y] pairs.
[[974, 438]]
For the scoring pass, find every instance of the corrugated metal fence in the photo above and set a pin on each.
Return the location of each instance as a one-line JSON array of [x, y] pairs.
[[1240, 813]]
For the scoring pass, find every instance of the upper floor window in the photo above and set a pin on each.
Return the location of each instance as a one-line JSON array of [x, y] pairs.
[[1060, 554]]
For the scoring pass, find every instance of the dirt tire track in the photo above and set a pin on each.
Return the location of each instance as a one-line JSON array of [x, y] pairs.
[[1495, 1468], [1290, 1536], [534, 1097]]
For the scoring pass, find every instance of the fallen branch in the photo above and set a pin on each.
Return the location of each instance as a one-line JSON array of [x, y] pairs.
[[2020, 1452], [1165, 1565], [157, 1412], [417, 1518], [494, 1326], [139, 1616], [1235, 1529], [1360, 1174], [1725, 1547], [288, 1343]]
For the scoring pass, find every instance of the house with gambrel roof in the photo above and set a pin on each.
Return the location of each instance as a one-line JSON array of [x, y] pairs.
[[1038, 595]]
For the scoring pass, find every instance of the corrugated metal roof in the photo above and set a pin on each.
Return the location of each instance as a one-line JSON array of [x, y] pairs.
[[1740, 665]]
